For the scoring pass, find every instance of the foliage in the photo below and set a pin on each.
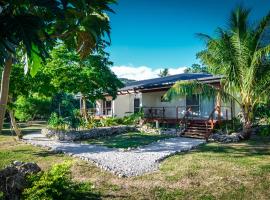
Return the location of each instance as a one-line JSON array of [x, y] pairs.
[[228, 127], [164, 72], [74, 121], [32, 107], [57, 184], [56, 121], [91, 77], [241, 54], [35, 26], [64, 104], [264, 130], [196, 68], [262, 111]]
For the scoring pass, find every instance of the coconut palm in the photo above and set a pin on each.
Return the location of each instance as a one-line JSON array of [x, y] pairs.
[[33, 28], [241, 53]]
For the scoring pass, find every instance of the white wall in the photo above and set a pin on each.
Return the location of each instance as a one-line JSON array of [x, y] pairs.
[[153, 99], [123, 105]]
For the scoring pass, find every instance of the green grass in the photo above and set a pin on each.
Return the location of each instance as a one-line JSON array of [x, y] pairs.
[[131, 139], [211, 172]]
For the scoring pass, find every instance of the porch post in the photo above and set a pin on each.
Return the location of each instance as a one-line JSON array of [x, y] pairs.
[[219, 107]]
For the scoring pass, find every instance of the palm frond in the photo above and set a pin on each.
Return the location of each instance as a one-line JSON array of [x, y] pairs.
[[187, 88]]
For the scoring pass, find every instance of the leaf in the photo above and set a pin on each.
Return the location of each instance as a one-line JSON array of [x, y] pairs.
[[35, 61]]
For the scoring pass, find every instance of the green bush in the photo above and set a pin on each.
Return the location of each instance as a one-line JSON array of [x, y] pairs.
[[56, 121], [34, 107], [74, 121], [264, 131], [57, 184]]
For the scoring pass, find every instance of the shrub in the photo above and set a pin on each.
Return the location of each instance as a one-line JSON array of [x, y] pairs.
[[57, 184], [264, 131], [56, 122], [74, 121], [28, 108]]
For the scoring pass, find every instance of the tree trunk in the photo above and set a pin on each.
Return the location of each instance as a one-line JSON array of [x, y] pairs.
[[247, 124], [14, 124], [84, 109], [4, 90]]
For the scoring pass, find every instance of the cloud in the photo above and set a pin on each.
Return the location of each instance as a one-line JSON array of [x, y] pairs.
[[142, 72]]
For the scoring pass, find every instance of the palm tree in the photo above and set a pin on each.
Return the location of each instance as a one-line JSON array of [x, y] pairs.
[[34, 27], [242, 54]]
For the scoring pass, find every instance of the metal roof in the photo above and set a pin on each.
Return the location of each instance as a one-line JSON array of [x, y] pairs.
[[168, 80]]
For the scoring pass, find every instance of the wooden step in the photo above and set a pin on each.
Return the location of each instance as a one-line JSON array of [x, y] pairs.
[[197, 127], [194, 136]]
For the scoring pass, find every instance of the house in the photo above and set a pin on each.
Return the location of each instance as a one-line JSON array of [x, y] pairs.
[[146, 95]]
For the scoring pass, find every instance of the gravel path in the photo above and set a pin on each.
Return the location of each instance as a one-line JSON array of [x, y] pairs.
[[123, 163]]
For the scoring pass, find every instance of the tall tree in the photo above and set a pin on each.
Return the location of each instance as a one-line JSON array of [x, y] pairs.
[[164, 72], [242, 54], [196, 68], [34, 27], [91, 77]]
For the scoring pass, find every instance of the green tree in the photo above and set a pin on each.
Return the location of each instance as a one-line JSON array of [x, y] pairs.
[[196, 68], [33, 27], [91, 77], [164, 72], [241, 54]]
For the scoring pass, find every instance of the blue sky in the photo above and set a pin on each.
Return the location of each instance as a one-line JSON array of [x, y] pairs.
[[155, 34]]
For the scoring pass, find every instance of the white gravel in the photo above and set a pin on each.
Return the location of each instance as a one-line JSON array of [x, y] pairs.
[[123, 163]]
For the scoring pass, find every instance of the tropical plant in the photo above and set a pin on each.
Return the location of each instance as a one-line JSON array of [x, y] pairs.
[[34, 27], [57, 184], [56, 122], [242, 54]]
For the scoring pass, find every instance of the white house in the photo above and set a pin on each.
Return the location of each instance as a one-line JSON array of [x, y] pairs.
[[147, 95]]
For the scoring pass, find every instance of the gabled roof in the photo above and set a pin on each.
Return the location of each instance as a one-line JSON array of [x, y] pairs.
[[168, 81]]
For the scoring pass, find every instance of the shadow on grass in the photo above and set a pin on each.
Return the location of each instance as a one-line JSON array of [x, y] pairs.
[[132, 139], [259, 146]]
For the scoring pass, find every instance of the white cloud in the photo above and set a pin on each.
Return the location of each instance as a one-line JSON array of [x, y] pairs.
[[142, 72]]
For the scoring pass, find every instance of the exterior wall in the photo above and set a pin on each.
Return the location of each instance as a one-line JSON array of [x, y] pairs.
[[153, 99], [123, 105]]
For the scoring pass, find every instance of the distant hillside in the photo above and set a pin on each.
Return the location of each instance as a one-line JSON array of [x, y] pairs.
[[126, 81]]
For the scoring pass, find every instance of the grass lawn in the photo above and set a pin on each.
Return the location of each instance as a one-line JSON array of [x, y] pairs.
[[131, 139], [213, 171]]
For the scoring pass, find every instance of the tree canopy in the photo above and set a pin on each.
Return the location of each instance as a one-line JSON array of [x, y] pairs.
[[196, 68]]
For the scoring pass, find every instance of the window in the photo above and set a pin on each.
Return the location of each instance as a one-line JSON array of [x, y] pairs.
[[107, 107], [136, 105]]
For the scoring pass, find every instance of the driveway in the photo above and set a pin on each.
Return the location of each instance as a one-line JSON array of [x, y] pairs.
[[123, 163]]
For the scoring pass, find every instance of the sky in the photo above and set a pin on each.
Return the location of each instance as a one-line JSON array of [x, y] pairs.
[[149, 35]]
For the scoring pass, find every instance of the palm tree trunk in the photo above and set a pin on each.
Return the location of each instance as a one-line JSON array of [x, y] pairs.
[[4, 90], [84, 108], [14, 124], [247, 124]]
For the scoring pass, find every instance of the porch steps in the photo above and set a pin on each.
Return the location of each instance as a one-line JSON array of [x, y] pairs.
[[197, 129]]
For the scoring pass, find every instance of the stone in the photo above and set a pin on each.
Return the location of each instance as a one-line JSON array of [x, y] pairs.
[[61, 135], [13, 178]]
